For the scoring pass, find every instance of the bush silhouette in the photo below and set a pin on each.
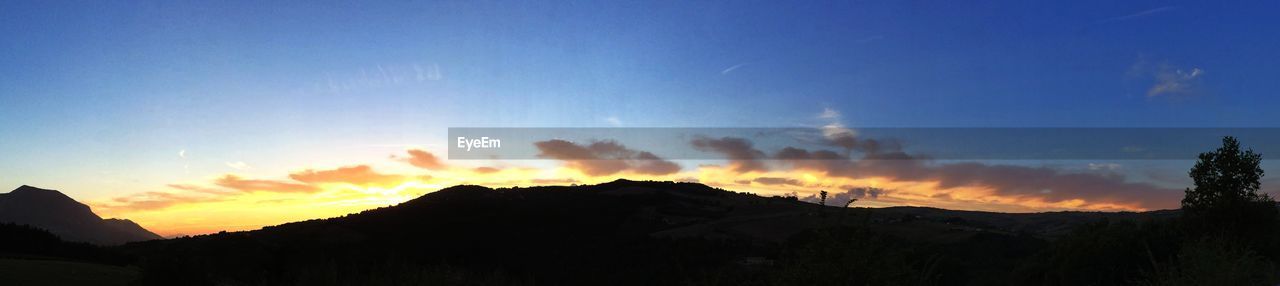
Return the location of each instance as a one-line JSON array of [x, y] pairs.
[[1214, 261]]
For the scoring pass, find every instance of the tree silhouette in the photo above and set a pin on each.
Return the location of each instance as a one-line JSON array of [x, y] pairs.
[[1226, 187]]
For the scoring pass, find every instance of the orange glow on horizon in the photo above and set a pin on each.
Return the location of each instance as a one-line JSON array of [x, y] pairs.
[[205, 208]]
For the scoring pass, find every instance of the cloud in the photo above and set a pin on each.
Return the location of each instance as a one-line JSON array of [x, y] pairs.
[[553, 181], [1043, 183], [424, 159], [828, 113], [742, 156], [153, 201], [432, 72], [377, 76], [1104, 166], [1173, 81], [886, 159], [613, 121], [1007, 181], [249, 185], [843, 198], [733, 68], [186, 167], [238, 165], [777, 181], [201, 189], [229, 187], [602, 158], [1167, 79], [356, 175], [1140, 14], [846, 138]]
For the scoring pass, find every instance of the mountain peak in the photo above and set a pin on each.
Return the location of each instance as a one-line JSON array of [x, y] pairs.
[[30, 189], [46, 194], [69, 219], [51, 200]]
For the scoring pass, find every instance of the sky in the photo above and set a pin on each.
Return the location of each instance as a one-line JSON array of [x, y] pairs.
[[194, 117]]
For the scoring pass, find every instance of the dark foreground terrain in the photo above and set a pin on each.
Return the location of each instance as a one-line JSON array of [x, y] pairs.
[[647, 233]]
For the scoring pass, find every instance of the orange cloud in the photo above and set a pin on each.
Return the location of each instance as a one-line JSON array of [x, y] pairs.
[[152, 201], [247, 185], [356, 175], [424, 159], [201, 189]]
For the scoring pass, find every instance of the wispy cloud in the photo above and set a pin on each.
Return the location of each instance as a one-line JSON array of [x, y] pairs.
[[154, 200], [431, 72], [239, 165], [1174, 81], [1139, 14], [1104, 166], [377, 76], [182, 154], [1167, 78], [733, 68], [830, 114], [613, 121]]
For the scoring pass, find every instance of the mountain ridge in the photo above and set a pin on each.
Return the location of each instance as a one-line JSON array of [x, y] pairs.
[[69, 219]]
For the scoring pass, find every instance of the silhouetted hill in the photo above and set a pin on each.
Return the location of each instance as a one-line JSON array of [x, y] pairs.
[[622, 232], [71, 220], [27, 242]]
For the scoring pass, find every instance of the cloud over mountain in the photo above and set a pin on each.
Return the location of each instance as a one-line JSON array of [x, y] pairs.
[[1017, 183], [743, 157], [601, 158]]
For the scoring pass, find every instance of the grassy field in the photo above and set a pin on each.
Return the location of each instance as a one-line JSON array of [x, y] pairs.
[[53, 272]]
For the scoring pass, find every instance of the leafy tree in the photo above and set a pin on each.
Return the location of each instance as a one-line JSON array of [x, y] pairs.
[[1226, 189]]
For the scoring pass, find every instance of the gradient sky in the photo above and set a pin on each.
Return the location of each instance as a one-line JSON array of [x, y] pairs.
[[106, 99]]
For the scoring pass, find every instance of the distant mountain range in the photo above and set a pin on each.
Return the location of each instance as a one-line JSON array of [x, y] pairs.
[[65, 217]]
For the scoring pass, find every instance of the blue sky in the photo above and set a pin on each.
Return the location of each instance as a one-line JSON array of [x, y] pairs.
[[101, 97]]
